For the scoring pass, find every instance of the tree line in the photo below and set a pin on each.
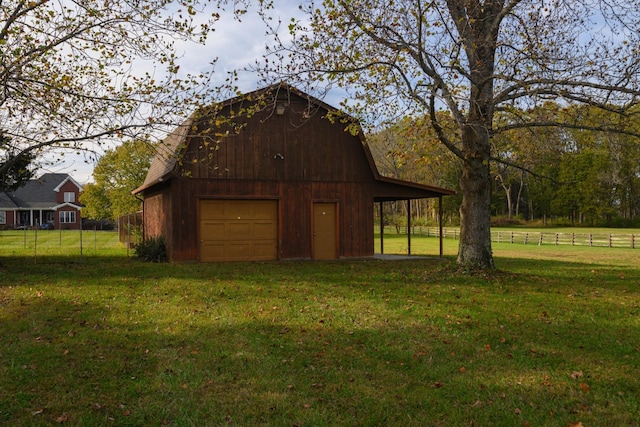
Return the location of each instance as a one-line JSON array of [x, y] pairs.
[[546, 174]]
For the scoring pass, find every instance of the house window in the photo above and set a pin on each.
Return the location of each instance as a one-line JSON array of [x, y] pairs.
[[3, 217], [67, 217], [70, 197]]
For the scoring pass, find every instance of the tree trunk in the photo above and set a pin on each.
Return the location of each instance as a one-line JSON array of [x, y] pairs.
[[507, 191], [519, 193], [475, 211]]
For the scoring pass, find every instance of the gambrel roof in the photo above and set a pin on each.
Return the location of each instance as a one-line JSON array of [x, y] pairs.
[[163, 166]]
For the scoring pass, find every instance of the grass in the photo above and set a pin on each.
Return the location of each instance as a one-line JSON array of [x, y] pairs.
[[550, 339]]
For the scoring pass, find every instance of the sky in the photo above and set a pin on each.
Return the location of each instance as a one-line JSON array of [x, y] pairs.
[[235, 44]]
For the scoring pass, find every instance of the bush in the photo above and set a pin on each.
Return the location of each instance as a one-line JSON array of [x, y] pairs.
[[152, 249]]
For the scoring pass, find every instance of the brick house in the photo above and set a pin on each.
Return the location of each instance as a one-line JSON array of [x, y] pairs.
[[50, 201]]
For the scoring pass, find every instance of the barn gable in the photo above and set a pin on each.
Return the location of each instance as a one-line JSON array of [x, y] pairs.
[[269, 175]]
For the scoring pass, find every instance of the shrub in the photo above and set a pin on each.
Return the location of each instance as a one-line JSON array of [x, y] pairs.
[[152, 249]]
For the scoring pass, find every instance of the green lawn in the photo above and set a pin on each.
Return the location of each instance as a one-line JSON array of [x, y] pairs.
[[553, 338]]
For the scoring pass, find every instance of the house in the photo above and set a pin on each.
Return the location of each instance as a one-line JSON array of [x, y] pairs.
[[50, 201], [270, 175]]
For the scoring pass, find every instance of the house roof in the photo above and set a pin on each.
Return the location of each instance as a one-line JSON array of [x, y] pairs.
[[37, 193], [164, 162]]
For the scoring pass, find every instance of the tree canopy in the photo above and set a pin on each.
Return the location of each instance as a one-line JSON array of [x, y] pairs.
[[484, 62], [15, 168], [563, 176], [117, 173], [93, 70]]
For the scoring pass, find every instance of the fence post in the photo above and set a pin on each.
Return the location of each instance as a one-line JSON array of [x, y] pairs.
[[512, 237], [610, 240], [540, 240], [35, 243], [526, 238], [499, 235], [557, 236], [590, 239], [81, 258], [573, 239]]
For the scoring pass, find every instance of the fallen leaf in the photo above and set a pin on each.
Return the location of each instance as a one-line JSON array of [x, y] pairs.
[[62, 419], [576, 374], [578, 424], [585, 387]]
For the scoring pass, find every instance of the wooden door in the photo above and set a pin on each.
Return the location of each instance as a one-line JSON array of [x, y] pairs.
[[324, 231]]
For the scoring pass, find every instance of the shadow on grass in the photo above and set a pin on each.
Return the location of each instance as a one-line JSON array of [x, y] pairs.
[[118, 342]]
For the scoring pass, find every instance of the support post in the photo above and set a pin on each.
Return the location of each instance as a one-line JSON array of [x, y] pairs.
[[381, 228], [440, 223], [408, 226]]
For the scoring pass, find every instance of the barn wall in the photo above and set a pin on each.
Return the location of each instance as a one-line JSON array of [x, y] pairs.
[[157, 216], [295, 203]]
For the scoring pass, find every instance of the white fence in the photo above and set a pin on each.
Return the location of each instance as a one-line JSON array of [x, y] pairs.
[[611, 240]]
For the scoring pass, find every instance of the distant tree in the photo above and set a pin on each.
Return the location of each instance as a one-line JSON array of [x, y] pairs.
[[473, 58], [78, 71], [117, 173], [409, 150]]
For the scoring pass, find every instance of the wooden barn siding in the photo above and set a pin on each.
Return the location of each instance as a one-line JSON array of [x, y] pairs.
[[312, 149], [157, 215], [294, 230], [295, 200]]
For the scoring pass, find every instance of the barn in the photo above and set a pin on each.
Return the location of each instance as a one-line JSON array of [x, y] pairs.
[[275, 174]]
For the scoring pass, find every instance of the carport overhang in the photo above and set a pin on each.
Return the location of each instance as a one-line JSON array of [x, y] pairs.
[[392, 190]]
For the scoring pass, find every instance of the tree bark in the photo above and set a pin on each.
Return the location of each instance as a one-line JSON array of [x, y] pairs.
[[475, 219]]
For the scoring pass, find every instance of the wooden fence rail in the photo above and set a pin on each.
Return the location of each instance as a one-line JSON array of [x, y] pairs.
[[611, 240]]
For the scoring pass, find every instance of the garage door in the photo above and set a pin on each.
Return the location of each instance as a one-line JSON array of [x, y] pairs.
[[238, 230]]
